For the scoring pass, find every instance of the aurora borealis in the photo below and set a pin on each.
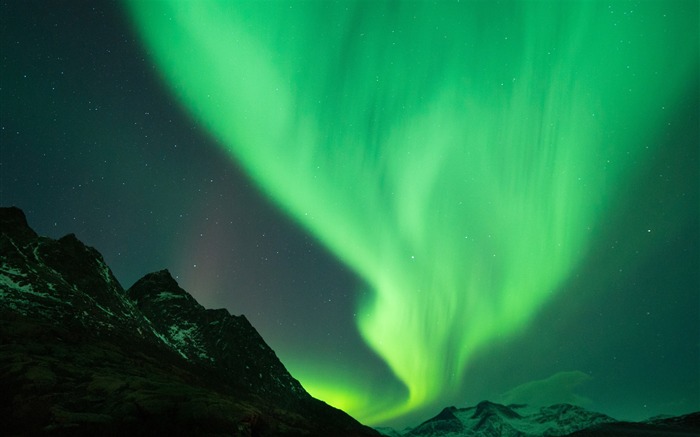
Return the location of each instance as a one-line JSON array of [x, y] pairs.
[[466, 162], [443, 160]]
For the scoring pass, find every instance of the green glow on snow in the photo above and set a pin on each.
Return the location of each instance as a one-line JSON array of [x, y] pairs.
[[455, 155]]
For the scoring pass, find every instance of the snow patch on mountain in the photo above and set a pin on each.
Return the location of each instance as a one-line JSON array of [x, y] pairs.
[[187, 335], [20, 286], [166, 295]]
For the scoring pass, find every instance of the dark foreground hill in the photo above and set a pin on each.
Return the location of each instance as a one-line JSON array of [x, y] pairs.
[[79, 355]]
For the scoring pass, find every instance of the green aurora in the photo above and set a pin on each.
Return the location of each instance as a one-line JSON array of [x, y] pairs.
[[456, 155]]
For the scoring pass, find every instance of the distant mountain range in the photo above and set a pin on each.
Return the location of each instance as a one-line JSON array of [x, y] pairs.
[[488, 419], [81, 356]]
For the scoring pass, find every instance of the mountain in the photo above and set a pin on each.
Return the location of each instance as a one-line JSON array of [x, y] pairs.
[[488, 419], [687, 425], [79, 355]]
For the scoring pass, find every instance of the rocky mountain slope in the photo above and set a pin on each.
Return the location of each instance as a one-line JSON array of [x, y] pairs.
[[494, 420], [79, 355]]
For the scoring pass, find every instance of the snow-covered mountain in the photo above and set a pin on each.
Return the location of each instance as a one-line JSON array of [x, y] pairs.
[[488, 419], [79, 355]]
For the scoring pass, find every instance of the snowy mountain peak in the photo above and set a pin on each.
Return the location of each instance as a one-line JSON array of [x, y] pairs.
[[158, 287], [486, 409], [488, 419]]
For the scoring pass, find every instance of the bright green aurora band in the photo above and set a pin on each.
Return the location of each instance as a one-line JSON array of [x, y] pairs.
[[456, 155]]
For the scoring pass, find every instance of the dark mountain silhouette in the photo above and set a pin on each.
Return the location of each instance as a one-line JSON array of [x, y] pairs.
[[79, 355]]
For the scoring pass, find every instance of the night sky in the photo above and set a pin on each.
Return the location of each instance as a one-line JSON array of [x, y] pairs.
[[416, 204]]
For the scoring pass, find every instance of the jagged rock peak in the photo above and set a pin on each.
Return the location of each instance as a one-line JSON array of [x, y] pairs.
[[486, 407], [154, 285], [446, 414], [445, 423], [161, 277], [14, 222], [77, 250]]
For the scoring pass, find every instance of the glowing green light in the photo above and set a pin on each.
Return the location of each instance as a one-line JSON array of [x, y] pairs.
[[456, 155], [349, 388]]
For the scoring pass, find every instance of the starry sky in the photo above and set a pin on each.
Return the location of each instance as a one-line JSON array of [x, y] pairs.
[[417, 204]]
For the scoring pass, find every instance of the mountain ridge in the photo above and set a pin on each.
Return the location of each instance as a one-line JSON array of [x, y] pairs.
[[489, 419], [79, 355]]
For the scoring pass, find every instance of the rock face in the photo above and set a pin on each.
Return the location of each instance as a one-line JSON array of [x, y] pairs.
[[79, 355], [488, 419], [213, 338]]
